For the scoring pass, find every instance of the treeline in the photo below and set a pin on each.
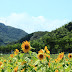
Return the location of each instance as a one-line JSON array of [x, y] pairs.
[[9, 48]]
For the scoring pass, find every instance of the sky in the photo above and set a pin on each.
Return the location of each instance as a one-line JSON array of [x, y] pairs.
[[35, 15]]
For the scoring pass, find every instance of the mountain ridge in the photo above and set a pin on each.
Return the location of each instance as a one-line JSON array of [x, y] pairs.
[[57, 40], [9, 34]]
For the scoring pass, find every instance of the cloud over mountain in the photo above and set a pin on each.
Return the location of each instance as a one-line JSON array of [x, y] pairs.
[[31, 23]]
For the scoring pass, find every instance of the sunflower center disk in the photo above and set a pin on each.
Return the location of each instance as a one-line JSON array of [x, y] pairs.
[[70, 56], [41, 56], [26, 46]]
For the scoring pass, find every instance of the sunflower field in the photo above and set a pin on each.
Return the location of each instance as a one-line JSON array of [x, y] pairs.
[[28, 61]]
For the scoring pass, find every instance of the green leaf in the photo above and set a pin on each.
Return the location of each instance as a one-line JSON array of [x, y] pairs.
[[2, 70], [30, 53], [47, 59]]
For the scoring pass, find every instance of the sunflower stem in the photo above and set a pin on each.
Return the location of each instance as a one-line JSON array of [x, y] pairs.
[[64, 63], [43, 63], [70, 65], [25, 67], [46, 68]]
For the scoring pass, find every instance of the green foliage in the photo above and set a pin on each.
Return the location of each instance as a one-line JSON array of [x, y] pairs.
[[57, 41], [27, 37], [9, 48], [9, 34]]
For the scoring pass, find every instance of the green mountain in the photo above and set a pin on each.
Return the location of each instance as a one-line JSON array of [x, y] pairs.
[[32, 36], [9, 34], [57, 40]]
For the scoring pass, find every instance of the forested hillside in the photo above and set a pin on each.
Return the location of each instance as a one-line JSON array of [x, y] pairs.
[[57, 41], [9, 34]]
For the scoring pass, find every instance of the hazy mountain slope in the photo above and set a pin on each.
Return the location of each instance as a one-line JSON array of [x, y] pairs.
[[9, 34]]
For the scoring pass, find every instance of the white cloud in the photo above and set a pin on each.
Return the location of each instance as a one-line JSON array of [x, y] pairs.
[[31, 24]]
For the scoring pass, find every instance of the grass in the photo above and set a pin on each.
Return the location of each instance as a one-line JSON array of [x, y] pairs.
[[4, 56], [53, 56], [30, 65]]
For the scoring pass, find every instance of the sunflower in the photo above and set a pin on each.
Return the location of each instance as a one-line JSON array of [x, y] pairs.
[[69, 55], [41, 51], [22, 63], [66, 59], [56, 60], [61, 55], [11, 55], [56, 70], [45, 47], [1, 63], [16, 51], [47, 55], [35, 67], [10, 61], [22, 70], [16, 62], [47, 51], [4, 60], [15, 69], [40, 56], [25, 46]]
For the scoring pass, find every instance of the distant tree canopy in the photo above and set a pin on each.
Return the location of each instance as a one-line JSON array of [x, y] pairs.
[[69, 26]]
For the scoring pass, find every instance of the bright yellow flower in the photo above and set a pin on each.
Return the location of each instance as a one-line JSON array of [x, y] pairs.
[[45, 48], [4, 60], [10, 61], [22, 63], [56, 60], [41, 51], [40, 56], [16, 62], [11, 55], [47, 55], [56, 70], [69, 55], [66, 59], [31, 60], [35, 68], [61, 55], [22, 70], [15, 69], [16, 51], [68, 63], [1, 63], [25, 46], [47, 51]]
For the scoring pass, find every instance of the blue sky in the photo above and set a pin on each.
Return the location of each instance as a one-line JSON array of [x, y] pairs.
[[35, 15]]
